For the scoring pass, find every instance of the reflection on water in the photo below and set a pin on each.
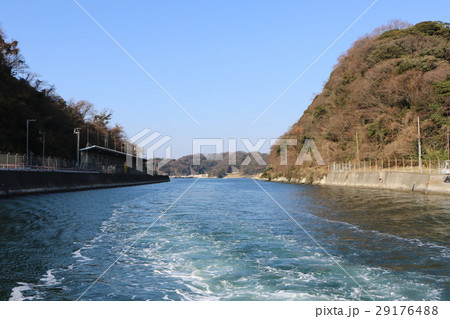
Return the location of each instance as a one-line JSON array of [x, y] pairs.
[[225, 240]]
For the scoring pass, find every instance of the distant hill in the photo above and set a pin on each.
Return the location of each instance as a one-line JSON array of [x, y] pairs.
[[23, 96], [377, 90], [217, 168]]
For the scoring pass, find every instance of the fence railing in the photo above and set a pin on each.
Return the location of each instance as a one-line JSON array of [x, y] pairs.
[[403, 164], [19, 161]]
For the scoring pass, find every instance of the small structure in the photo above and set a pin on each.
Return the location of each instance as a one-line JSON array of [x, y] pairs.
[[446, 169], [106, 160]]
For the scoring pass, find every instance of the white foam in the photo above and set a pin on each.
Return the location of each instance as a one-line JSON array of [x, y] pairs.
[[77, 254], [49, 279], [16, 293]]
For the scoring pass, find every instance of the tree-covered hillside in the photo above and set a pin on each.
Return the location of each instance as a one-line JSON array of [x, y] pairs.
[[377, 91], [23, 96]]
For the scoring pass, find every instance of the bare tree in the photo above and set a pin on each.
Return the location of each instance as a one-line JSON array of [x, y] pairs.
[[83, 108], [395, 24], [10, 57]]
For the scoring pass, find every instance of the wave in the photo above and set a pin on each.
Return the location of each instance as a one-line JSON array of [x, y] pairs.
[[77, 254], [416, 241], [28, 291]]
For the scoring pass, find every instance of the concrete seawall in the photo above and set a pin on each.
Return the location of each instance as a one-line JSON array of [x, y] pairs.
[[400, 181], [424, 183], [22, 182]]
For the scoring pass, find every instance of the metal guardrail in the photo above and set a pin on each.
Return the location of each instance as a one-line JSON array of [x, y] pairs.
[[19, 161], [390, 165]]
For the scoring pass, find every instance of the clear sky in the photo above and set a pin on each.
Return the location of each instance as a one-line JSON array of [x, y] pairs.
[[223, 61]]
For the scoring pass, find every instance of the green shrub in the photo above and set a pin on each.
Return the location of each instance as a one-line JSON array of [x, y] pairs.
[[331, 136], [423, 64], [347, 78], [319, 111], [267, 173], [372, 129], [438, 116], [427, 27], [341, 102], [430, 28], [440, 53], [385, 51], [443, 87], [395, 33]]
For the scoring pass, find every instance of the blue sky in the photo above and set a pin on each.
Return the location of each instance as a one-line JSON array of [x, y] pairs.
[[224, 61]]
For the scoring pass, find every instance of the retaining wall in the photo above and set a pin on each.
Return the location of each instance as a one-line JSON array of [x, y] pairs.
[[425, 183], [21, 182]]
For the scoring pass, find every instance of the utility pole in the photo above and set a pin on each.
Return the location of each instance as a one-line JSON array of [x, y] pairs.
[[448, 145], [28, 121], [43, 147], [105, 141], [357, 147], [420, 146], [76, 131], [328, 152]]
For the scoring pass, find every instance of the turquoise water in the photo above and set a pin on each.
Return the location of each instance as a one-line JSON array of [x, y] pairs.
[[225, 240]]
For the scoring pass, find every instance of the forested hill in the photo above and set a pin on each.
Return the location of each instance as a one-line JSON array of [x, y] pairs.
[[241, 162], [23, 96], [377, 90]]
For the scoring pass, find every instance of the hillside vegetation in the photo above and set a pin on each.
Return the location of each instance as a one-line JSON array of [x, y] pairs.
[[215, 167], [377, 90], [23, 96]]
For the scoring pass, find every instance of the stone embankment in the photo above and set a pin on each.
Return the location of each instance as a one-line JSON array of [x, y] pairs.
[[401, 181]]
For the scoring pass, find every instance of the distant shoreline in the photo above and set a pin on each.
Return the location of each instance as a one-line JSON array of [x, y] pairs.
[[228, 176]]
